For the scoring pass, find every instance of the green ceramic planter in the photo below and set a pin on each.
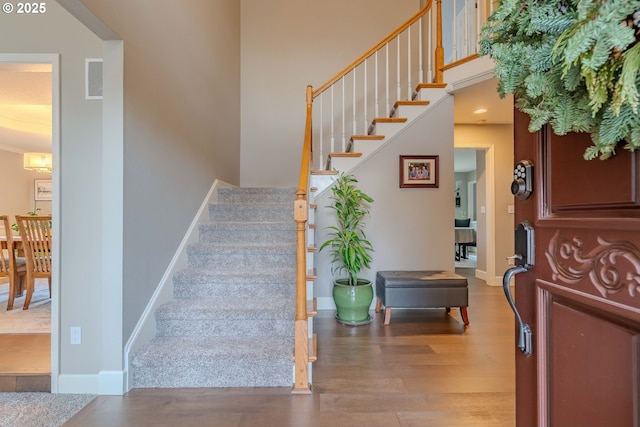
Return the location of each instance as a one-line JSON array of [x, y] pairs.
[[352, 302]]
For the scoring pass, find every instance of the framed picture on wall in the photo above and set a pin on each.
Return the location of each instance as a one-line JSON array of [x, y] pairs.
[[42, 189], [418, 171]]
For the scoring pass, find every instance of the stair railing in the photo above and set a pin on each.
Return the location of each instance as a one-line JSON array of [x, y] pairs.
[[465, 19], [300, 216], [369, 87]]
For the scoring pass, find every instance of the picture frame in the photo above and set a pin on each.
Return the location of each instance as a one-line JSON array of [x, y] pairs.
[[419, 171], [42, 189]]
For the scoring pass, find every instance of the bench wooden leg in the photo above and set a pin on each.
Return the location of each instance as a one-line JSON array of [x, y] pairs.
[[379, 306], [387, 315], [465, 316]]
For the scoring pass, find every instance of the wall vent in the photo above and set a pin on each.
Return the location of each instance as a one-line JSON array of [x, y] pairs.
[[93, 78]]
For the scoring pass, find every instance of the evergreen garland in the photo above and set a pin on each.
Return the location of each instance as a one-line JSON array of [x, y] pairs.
[[574, 64]]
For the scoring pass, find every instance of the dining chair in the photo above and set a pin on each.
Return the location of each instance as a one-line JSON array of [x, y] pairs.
[[11, 266], [35, 232]]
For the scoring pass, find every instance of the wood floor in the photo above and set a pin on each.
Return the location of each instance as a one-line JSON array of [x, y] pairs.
[[25, 362], [424, 369]]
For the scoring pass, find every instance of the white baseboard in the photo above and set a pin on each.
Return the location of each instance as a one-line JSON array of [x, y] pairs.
[[111, 383], [497, 281]]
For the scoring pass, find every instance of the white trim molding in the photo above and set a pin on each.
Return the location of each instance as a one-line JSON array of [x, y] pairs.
[[109, 383]]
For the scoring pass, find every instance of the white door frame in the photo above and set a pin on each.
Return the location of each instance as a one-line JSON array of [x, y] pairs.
[[486, 220], [54, 60]]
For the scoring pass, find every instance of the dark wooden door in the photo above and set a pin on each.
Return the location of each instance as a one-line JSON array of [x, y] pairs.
[[582, 296]]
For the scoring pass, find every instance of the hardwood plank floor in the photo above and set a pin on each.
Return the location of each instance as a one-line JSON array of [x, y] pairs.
[[25, 362], [424, 369]]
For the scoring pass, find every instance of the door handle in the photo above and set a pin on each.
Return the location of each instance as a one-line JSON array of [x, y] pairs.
[[523, 260], [524, 335]]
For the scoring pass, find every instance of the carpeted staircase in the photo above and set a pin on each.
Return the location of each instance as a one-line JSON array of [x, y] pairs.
[[231, 321]]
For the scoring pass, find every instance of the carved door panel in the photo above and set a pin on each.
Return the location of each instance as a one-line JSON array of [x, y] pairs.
[[582, 296]]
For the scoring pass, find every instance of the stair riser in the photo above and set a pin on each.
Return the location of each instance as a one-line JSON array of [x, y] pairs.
[[220, 290], [410, 112], [219, 234], [234, 213], [224, 328], [239, 259], [216, 373], [250, 196]]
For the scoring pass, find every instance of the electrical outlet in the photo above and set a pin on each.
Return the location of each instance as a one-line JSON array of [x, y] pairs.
[[511, 209], [76, 335]]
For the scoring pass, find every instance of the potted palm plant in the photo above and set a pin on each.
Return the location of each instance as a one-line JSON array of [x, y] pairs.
[[350, 252]]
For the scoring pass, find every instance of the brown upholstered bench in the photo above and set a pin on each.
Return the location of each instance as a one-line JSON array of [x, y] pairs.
[[421, 289]]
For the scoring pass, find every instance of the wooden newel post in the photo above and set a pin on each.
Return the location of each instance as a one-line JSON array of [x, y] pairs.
[[439, 54], [300, 216]]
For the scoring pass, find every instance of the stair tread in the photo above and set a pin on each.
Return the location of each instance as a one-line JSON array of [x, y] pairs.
[[389, 120], [216, 275], [431, 86], [242, 245], [411, 103], [367, 137], [347, 154], [229, 308]]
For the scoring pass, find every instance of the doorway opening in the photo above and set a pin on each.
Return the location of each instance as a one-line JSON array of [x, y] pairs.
[[28, 124], [465, 200]]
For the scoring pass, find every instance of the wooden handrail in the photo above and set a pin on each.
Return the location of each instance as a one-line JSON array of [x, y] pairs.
[[371, 51]]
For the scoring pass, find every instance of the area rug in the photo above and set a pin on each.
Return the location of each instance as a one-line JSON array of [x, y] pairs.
[[40, 409], [35, 320], [470, 262]]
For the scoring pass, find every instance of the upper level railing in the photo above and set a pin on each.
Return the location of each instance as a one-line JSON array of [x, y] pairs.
[[369, 87], [415, 53]]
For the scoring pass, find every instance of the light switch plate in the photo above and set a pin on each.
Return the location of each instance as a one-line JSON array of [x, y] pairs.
[[76, 335]]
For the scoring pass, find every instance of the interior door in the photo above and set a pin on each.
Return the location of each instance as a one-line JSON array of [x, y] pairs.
[[581, 297]]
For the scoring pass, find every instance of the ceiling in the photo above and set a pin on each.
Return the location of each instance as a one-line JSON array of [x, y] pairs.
[[25, 107], [25, 110], [485, 96]]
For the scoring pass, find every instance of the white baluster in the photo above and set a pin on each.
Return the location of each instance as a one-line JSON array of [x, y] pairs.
[[455, 32], [386, 107], [353, 130], [375, 91], [478, 25], [398, 94], [409, 63], [344, 131], [332, 119], [466, 28], [420, 56], [321, 130], [429, 48], [365, 97]]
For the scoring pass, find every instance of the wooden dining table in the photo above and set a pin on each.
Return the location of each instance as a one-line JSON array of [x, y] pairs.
[[17, 246]]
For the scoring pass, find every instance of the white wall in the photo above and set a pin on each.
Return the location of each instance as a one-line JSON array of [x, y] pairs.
[[181, 125], [410, 228], [286, 45]]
